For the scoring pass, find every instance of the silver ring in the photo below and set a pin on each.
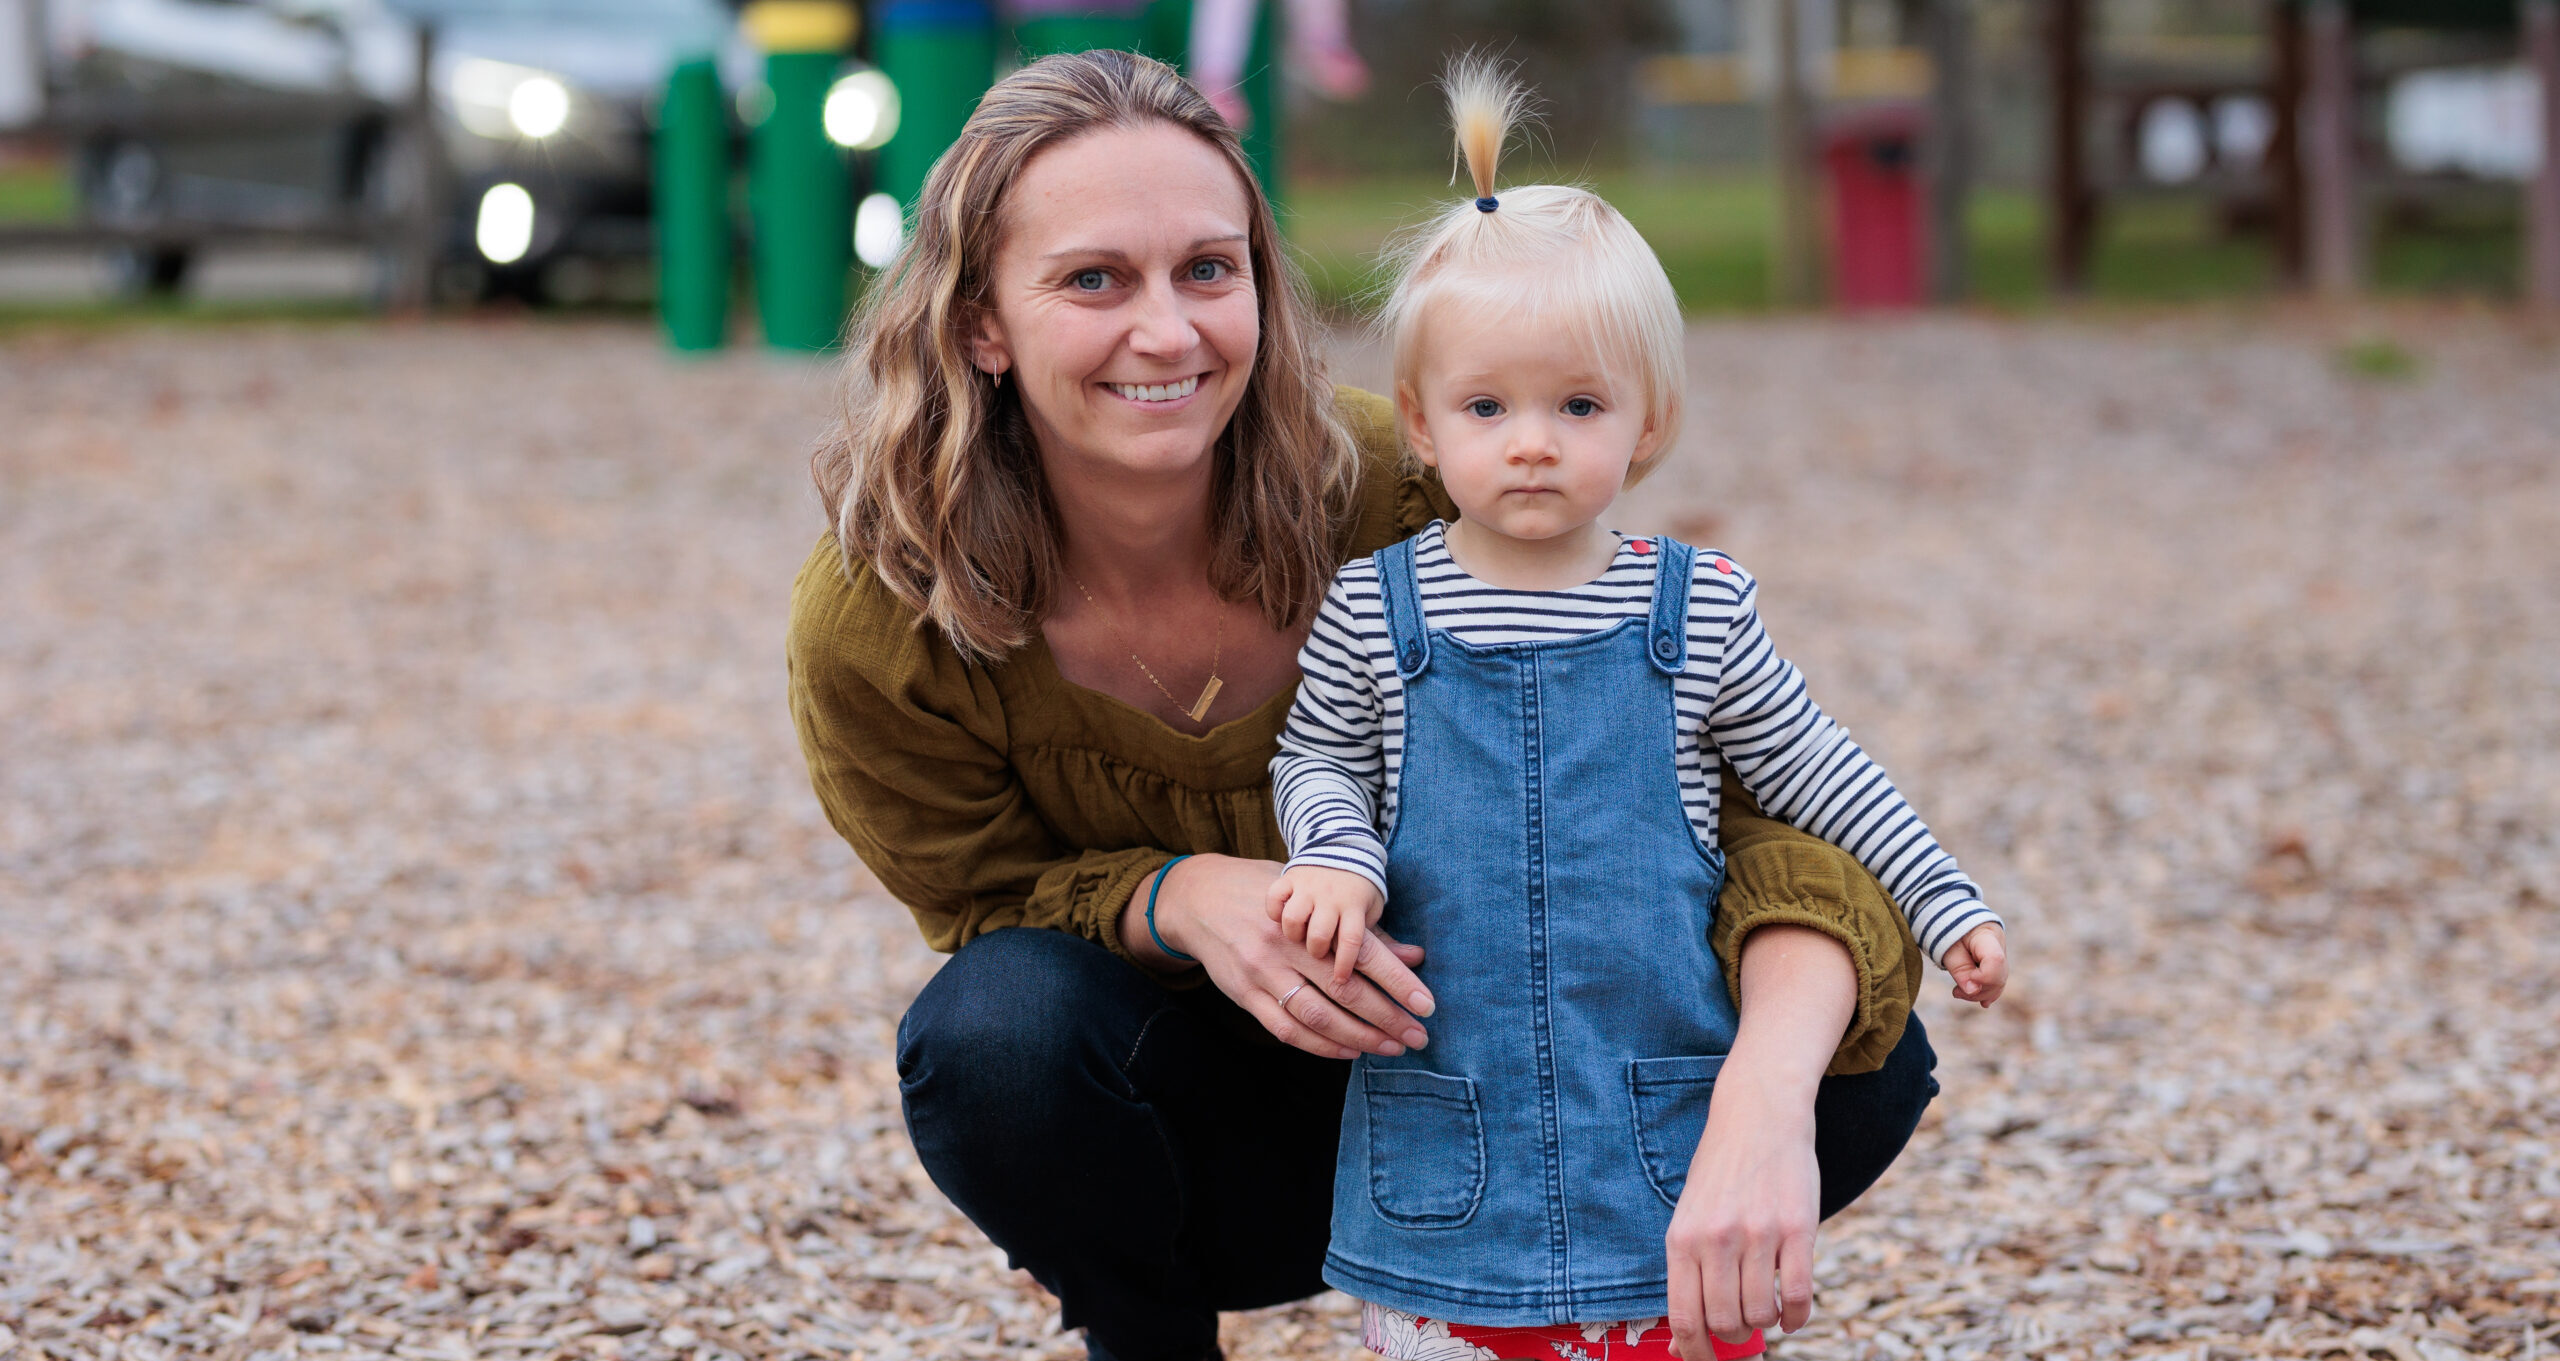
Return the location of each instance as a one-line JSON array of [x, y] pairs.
[[1284, 997]]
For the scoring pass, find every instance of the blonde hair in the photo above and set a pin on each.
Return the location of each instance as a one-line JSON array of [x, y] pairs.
[[931, 475], [1547, 255]]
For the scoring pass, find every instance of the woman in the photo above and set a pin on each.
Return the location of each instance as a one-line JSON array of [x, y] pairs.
[[1089, 488]]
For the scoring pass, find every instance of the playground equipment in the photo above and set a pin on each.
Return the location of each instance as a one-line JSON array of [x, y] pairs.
[[2313, 89], [798, 192], [936, 58], [692, 188]]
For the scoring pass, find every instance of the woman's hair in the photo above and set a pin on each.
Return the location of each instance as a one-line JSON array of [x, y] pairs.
[[931, 475], [1546, 255]]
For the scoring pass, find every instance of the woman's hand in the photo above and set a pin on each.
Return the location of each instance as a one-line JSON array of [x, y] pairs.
[[1211, 908], [1741, 1240]]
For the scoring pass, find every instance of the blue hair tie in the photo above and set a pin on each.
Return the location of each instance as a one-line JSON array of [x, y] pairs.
[[1487, 204]]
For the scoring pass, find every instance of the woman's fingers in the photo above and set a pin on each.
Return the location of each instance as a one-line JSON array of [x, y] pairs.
[[1759, 1282], [1390, 966], [1688, 1310], [1286, 1028], [1795, 1281], [1317, 1010]]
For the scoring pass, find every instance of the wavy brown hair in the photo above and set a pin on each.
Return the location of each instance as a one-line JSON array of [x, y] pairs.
[[931, 476]]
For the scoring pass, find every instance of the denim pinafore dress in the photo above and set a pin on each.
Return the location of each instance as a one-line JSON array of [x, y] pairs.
[[1522, 1168]]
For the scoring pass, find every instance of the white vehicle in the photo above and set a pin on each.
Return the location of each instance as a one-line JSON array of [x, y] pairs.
[[202, 116]]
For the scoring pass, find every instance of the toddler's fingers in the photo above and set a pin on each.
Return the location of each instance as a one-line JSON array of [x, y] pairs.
[[1277, 897], [1322, 924], [1293, 920], [1346, 950]]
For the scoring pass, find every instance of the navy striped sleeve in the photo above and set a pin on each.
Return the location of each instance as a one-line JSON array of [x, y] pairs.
[[1327, 780], [1805, 771]]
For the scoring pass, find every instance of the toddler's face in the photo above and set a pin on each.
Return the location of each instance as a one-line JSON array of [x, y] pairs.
[[1532, 433]]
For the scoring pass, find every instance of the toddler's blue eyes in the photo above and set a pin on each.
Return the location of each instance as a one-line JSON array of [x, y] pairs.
[[1581, 406], [1485, 408]]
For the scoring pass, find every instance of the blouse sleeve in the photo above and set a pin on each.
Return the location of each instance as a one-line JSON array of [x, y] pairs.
[[905, 747]]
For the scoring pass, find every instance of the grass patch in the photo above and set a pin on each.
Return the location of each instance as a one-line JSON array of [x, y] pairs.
[[35, 193], [1712, 229], [2377, 358]]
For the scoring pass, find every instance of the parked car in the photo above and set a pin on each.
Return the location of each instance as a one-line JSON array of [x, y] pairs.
[[208, 115]]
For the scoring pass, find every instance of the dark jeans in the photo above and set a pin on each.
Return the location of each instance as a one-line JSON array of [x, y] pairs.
[[1149, 1161]]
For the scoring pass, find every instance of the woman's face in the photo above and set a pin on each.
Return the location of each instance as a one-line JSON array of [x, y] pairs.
[[1124, 300]]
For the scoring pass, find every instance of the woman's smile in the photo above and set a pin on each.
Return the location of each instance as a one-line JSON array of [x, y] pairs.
[[1166, 396]]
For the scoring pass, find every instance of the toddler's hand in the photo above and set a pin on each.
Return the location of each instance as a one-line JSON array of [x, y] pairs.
[[1980, 963], [1329, 911]]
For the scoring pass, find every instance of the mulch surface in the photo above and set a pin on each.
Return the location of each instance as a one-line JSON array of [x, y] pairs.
[[417, 937]]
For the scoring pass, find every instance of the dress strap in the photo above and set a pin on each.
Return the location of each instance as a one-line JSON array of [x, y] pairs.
[[1667, 640], [1401, 591]]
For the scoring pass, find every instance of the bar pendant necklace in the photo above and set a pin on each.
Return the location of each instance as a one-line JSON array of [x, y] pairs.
[[1199, 710]]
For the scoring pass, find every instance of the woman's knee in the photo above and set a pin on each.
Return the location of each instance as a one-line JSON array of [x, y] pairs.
[[1863, 1121], [1015, 1016]]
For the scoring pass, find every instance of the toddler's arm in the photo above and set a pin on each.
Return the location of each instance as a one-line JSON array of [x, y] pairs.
[[1805, 770], [1327, 782]]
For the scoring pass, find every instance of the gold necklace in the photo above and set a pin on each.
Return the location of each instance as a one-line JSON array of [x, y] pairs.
[[1199, 710]]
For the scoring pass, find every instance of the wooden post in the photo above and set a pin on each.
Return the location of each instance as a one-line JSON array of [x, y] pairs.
[[2329, 150], [1791, 261], [421, 235], [1947, 147], [2283, 166], [2541, 23], [2072, 221]]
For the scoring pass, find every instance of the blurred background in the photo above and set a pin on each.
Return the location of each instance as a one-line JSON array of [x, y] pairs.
[[417, 936], [1993, 151]]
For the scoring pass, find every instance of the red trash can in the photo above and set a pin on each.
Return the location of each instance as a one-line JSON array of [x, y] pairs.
[[1873, 162]]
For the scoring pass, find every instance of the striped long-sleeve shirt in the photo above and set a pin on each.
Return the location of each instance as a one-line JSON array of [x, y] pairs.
[[1737, 700]]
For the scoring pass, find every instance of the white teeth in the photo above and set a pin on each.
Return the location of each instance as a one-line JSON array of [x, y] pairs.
[[1157, 392]]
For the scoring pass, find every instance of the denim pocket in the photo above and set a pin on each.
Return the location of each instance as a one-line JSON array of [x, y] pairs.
[[1426, 1147], [1670, 1098]]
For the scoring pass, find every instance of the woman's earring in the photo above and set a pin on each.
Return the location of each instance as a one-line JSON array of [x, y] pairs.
[[997, 377]]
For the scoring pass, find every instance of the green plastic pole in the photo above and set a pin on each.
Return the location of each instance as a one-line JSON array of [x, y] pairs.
[[1167, 38], [1052, 33], [1263, 97], [803, 204], [692, 186], [941, 54]]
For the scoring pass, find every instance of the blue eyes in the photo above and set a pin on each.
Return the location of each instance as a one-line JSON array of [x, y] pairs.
[[1208, 271], [1486, 408]]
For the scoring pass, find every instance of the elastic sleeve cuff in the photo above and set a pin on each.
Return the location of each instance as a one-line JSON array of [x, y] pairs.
[[1813, 884], [1098, 887]]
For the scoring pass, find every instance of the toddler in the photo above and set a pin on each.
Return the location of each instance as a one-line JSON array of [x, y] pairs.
[[1507, 741]]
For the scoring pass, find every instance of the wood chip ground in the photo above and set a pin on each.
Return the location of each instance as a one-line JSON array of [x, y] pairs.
[[417, 938]]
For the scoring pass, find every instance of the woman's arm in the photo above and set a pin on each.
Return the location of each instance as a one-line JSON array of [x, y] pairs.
[[905, 749], [1741, 1243], [1778, 876]]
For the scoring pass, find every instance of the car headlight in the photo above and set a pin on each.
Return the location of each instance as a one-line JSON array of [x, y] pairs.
[[862, 111], [496, 98]]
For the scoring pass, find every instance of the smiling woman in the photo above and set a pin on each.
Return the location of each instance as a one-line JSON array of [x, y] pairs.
[[1088, 487]]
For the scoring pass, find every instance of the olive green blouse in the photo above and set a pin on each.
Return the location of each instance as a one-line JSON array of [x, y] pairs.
[[987, 796]]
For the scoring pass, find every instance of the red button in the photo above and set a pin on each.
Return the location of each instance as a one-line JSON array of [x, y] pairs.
[[1724, 567], [1640, 545]]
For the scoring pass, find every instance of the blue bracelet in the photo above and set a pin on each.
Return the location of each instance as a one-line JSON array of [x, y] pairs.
[[1152, 890]]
